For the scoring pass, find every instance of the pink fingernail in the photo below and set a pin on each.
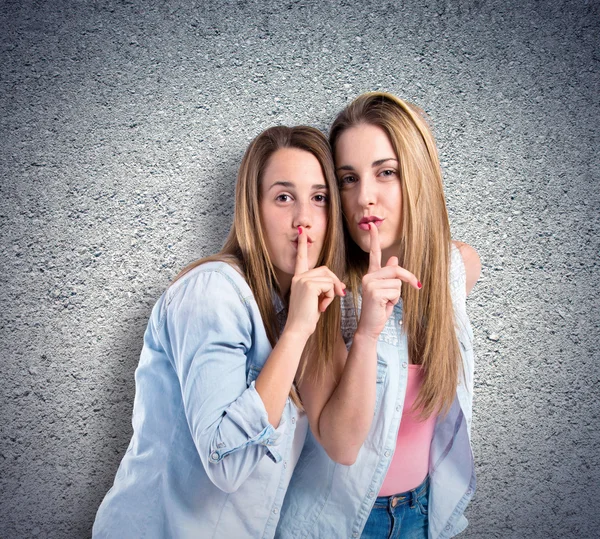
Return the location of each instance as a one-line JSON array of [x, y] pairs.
[[299, 230], [344, 292], [419, 285]]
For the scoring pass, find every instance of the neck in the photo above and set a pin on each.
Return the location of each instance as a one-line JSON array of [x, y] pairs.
[[392, 250]]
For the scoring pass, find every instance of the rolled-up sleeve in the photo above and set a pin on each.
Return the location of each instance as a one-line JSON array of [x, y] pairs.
[[209, 330]]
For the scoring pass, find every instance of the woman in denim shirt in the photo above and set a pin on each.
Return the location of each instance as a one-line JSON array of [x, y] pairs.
[[389, 451], [217, 429]]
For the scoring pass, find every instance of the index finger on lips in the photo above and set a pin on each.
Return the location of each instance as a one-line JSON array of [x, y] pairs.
[[302, 253], [374, 249]]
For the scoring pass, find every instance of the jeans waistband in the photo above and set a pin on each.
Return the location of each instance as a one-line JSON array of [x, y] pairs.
[[410, 496]]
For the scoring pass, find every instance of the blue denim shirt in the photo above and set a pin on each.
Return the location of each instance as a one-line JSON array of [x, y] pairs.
[[203, 460], [326, 499]]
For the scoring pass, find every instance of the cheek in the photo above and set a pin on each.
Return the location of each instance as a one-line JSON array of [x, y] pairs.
[[347, 204], [322, 220]]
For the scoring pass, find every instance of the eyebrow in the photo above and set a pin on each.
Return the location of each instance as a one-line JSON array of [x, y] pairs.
[[290, 185], [375, 163]]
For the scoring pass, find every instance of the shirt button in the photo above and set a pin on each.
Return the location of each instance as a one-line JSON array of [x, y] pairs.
[[404, 364], [214, 456], [355, 534], [448, 528], [399, 322], [371, 494], [293, 419], [469, 492], [398, 408], [275, 510], [387, 453], [285, 464]]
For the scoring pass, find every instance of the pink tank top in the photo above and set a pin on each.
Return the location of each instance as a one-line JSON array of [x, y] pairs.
[[410, 463]]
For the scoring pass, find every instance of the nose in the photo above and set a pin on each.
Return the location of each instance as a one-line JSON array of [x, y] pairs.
[[302, 215], [366, 193]]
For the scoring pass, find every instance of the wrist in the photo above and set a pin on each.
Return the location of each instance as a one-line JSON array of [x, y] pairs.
[[295, 334], [365, 337]]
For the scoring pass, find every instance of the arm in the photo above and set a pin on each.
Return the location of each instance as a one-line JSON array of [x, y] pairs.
[[208, 331], [340, 409], [312, 291], [471, 262]]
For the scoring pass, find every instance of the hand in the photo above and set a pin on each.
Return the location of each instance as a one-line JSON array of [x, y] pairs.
[[381, 288], [312, 291]]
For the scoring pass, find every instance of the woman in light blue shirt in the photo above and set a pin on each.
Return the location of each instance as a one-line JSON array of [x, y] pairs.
[[357, 450], [217, 429]]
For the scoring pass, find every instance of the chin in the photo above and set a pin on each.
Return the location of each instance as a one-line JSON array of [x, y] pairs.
[[363, 244]]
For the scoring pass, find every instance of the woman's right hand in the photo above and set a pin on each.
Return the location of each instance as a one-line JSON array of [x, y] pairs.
[[381, 288], [312, 291]]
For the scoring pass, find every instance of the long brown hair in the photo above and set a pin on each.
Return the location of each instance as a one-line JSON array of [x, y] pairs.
[[245, 246], [424, 244]]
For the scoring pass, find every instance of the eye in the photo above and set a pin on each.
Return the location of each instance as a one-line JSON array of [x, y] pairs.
[[321, 198], [388, 173], [347, 180], [283, 197]]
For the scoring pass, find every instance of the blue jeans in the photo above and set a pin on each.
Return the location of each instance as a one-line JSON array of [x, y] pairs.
[[401, 515]]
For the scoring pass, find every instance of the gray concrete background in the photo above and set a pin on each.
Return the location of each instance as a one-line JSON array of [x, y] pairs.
[[122, 125]]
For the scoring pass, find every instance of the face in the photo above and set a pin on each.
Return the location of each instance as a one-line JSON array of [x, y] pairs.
[[293, 193], [370, 187]]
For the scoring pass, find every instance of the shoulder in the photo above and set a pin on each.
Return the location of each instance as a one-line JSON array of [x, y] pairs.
[[471, 262], [209, 288], [211, 278]]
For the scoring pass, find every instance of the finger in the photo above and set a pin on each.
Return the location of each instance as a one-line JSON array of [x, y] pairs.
[[392, 261], [391, 290], [325, 300], [374, 249], [324, 271], [387, 297], [396, 272], [302, 254]]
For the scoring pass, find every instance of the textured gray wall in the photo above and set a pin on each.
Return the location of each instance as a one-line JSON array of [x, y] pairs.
[[122, 124]]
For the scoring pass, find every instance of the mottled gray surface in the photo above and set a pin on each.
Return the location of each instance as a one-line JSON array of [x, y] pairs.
[[122, 124]]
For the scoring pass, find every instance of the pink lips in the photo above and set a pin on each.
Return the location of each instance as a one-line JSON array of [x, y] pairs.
[[308, 241], [363, 224]]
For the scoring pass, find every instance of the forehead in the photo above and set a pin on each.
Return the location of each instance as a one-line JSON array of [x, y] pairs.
[[363, 143], [292, 165]]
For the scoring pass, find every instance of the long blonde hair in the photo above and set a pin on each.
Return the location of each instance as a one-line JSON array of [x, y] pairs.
[[424, 244], [245, 246]]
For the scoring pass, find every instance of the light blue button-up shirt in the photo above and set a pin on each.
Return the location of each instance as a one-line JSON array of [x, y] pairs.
[[326, 499], [203, 460]]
